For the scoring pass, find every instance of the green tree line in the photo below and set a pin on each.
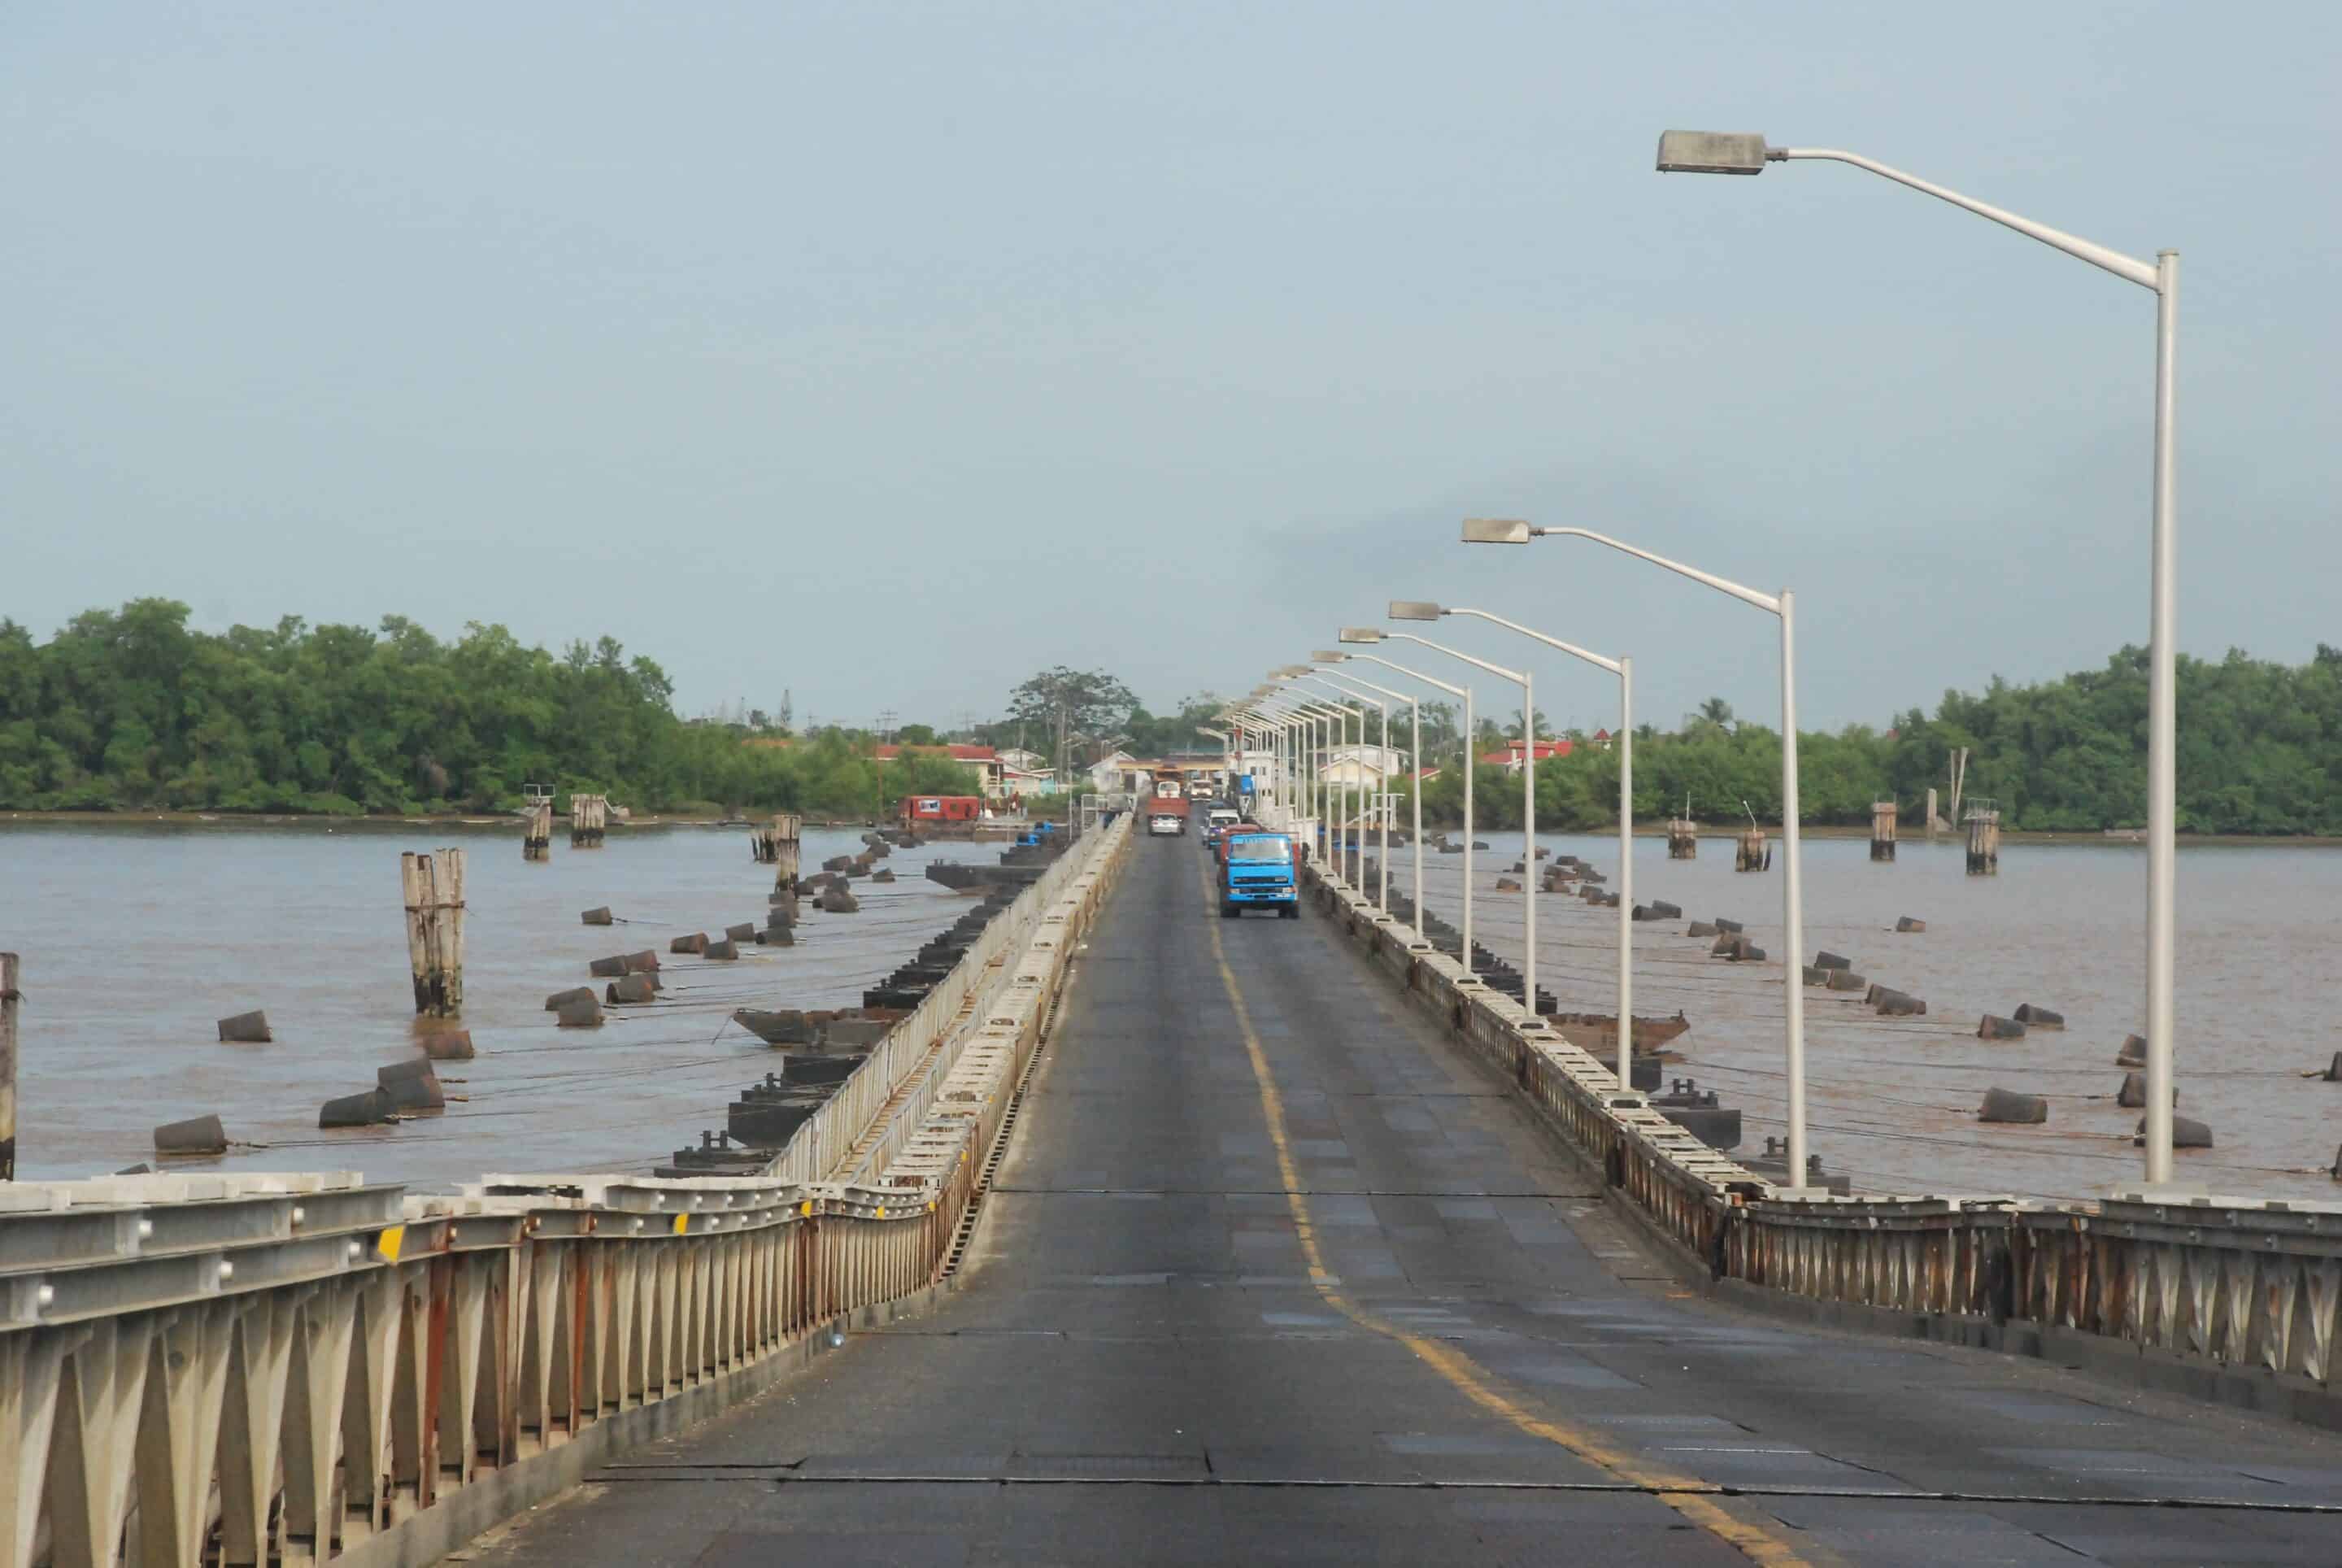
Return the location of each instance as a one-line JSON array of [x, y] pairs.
[[2260, 753], [131, 709]]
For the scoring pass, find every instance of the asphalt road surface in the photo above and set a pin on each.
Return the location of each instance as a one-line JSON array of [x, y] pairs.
[[1273, 1273]]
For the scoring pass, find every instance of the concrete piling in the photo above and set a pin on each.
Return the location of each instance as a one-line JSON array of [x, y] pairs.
[[562, 999], [696, 942], [2035, 1016], [2132, 1095], [2133, 1052], [723, 951], [639, 963], [579, 1013], [1882, 829], [246, 1029], [1751, 852], [412, 1086], [1892, 1003], [1683, 839], [607, 968], [1700, 928], [196, 1135], [630, 989], [2186, 1133], [2008, 1106], [9, 970], [600, 917], [746, 931], [1845, 979], [1826, 960], [1906, 925], [1994, 1027], [1983, 843], [370, 1109], [432, 886]]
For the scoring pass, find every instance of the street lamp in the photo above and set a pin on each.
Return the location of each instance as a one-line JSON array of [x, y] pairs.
[[1623, 668], [1371, 634], [1708, 152], [1311, 714], [1415, 711], [1353, 868], [1784, 604], [1344, 844], [1366, 634], [1336, 684], [1419, 609]]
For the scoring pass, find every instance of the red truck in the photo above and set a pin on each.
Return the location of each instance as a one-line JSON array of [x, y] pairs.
[[1167, 815]]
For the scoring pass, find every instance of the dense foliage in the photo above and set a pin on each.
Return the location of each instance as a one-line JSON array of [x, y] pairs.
[[2260, 753], [130, 709]]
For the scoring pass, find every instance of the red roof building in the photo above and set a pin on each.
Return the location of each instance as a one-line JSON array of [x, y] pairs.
[[1509, 759]]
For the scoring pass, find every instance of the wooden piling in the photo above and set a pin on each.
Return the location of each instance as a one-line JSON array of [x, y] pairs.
[[1751, 853], [1683, 839], [1882, 829], [1983, 843], [536, 839], [1933, 820], [432, 886], [8, 999], [589, 815]]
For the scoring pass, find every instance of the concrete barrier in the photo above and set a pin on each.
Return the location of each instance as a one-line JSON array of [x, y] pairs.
[[2236, 1300], [409, 1370]]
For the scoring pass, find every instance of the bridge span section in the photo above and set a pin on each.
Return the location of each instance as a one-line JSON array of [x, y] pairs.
[[1275, 1272]]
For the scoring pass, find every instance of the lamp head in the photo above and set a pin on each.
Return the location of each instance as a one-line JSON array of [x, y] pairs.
[[1714, 153], [1414, 609], [1287, 672], [1328, 656], [1361, 634], [1495, 531]]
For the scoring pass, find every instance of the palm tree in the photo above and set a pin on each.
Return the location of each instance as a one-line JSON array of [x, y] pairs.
[[1715, 712]]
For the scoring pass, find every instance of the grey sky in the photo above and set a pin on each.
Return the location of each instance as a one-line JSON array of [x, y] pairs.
[[888, 353]]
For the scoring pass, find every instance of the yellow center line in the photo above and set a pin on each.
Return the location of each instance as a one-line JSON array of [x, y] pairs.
[[1687, 1495]]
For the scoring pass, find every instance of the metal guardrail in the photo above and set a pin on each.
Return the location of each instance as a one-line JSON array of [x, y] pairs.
[[251, 1368], [2223, 1282]]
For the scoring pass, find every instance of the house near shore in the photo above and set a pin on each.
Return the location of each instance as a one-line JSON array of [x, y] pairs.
[[1509, 757]]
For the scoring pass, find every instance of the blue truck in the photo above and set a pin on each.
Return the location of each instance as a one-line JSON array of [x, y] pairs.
[[1256, 873]]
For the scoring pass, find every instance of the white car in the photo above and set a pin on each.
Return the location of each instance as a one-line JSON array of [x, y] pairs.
[[1166, 823]]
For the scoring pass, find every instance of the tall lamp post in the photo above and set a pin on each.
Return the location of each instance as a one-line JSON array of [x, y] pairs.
[[1512, 531], [1418, 609], [1623, 668], [1366, 634], [1320, 716], [1345, 845], [1711, 152], [1415, 711], [1351, 686], [1372, 634], [1356, 776]]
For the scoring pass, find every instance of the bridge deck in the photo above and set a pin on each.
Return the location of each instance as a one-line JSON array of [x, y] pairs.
[[1269, 1259]]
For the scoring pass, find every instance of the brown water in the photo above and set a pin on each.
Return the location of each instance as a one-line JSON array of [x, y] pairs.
[[138, 938], [1893, 1102]]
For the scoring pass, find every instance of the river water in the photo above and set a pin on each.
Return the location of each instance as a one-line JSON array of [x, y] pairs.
[[1892, 1102], [138, 938]]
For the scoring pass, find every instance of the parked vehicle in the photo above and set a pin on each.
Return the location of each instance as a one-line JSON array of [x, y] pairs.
[[1256, 872]]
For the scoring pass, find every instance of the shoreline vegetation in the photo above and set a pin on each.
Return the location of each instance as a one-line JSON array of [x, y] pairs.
[[1718, 832], [131, 714]]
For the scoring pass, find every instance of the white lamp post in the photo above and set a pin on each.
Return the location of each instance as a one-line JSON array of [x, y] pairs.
[[1415, 711], [1623, 668], [1511, 532], [1366, 634], [1356, 812], [1708, 152], [1351, 686], [1418, 609], [1346, 848]]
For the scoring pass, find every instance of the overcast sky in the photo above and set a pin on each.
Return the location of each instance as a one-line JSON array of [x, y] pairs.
[[888, 353]]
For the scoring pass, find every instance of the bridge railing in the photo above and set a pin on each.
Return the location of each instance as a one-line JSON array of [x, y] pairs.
[[250, 1369], [2227, 1284]]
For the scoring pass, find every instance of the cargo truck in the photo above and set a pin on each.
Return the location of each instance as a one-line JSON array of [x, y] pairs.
[[1167, 815], [1256, 873]]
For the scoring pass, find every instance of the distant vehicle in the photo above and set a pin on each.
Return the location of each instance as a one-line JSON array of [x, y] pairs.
[[1200, 789], [1167, 815], [1256, 872], [915, 810], [1222, 816]]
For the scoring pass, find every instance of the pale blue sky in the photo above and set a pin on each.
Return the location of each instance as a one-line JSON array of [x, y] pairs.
[[885, 353]]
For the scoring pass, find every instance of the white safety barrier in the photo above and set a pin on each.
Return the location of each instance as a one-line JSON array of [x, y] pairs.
[[258, 1369], [2221, 1285]]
